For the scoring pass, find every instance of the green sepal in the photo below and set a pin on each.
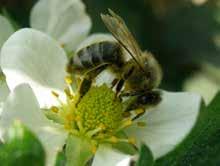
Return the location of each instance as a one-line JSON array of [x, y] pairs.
[[124, 147], [145, 157], [21, 148], [78, 151], [202, 146], [61, 159]]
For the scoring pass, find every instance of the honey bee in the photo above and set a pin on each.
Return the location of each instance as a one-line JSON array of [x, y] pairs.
[[138, 76]]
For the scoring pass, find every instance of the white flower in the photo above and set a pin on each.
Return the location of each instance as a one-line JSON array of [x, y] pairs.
[[205, 82], [31, 57], [6, 30], [66, 21], [34, 65]]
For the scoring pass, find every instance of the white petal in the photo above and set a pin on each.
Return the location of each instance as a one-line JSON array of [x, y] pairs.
[[107, 156], [66, 20], [96, 38], [6, 30], [169, 123], [205, 82], [22, 105], [30, 56]]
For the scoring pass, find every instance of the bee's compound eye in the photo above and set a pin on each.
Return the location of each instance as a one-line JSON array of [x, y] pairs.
[[151, 98], [143, 99]]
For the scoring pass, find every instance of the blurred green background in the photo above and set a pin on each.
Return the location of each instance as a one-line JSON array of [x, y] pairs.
[[180, 33]]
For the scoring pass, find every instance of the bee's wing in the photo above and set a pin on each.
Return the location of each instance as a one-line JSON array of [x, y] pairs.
[[120, 31]]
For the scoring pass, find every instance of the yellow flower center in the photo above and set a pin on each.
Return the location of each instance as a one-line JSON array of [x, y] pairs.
[[98, 115], [100, 108]]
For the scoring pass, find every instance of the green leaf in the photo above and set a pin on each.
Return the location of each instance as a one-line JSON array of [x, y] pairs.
[[202, 146], [78, 151], [21, 148], [145, 157]]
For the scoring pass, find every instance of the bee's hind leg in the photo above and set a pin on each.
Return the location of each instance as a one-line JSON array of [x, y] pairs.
[[87, 80]]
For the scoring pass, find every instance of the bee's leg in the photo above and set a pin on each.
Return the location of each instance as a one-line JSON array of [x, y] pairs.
[[139, 102], [132, 109], [131, 93], [125, 75], [87, 80], [119, 86], [85, 85], [114, 82]]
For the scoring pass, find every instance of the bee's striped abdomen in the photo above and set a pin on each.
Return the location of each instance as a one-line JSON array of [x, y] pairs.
[[97, 54]]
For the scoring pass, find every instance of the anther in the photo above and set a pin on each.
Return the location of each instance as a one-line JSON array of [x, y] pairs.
[[132, 141], [67, 126], [54, 109], [67, 92], [139, 111], [126, 114], [141, 124], [113, 139], [62, 45], [69, 117], [125, 124], [94, 149], [68, 80], [93, 132], [55, 94]]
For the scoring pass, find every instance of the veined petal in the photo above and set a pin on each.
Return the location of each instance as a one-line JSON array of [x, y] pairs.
[[95, 38], [22, 105], [6, 30], [107, 156], [169, 123], [30, 56], [66, 20]]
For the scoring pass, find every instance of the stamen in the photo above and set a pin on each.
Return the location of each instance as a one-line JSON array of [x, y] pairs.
[[67, 126], [68, 80], [62, 45], [113, 139], [74, 132], [132, 141], [79, 124], [126, 114], [126, 123], [93, 132], [139, 111], [69, 117], [141, 124], [94, 149], [67, 92], [55, 94], [54, 109]]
